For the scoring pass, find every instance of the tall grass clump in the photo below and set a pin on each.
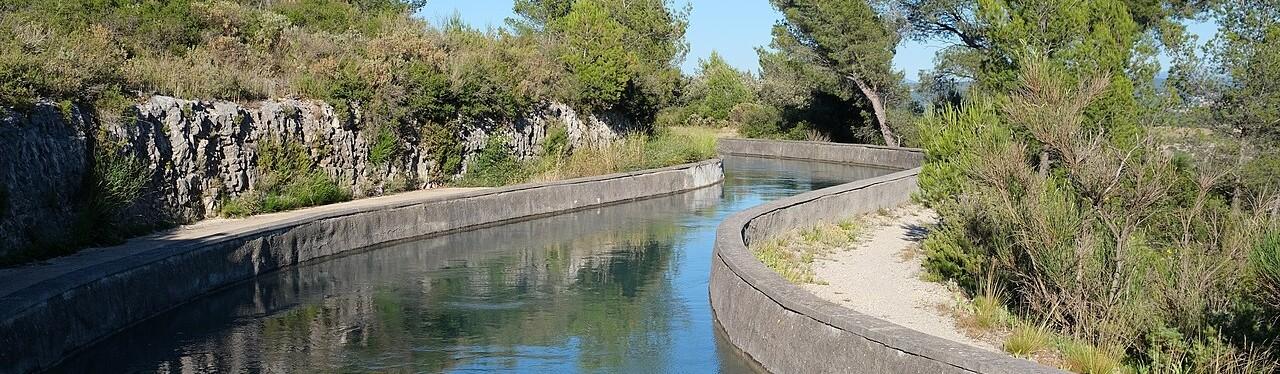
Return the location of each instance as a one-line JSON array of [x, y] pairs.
[[1105, 238], [1027, 339]]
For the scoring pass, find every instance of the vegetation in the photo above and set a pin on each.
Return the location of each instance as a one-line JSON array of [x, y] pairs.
[[1111, 243], [791, 253], [1048, 160], [1028, 339], [288, 180], [495, 166], [115, 182]]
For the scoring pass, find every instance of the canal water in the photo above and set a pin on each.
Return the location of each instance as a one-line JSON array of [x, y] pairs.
[[621, 288]]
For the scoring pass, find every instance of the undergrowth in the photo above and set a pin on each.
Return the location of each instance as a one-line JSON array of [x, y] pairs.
[[791, 253]]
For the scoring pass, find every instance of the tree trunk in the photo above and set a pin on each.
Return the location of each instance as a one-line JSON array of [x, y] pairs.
[[877, 105]]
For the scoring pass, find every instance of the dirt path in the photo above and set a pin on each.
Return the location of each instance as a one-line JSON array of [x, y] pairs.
[[879, 277]]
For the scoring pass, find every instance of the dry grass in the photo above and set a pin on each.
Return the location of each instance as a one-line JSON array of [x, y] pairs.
[[673, 146], [791, 254]]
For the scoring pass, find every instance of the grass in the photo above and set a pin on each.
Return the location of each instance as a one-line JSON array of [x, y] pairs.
[[1028, 339], [1085, 358], [987, 312], [792, 265], [791, 254]]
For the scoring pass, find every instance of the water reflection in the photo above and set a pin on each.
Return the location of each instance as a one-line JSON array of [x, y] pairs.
[[618, 288]]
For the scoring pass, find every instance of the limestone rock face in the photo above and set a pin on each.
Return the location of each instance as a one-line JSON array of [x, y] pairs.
[[201, 153], [43, 160]]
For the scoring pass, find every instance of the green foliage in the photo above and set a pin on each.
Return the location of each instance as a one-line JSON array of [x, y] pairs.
[[1028, 339], [1092, 234], [718, 89], [1085, 358], [1248, 51], [1001, 38], [756, 120], [594, 53], [620, 55], [556, 143], [1265, 261], [385, 148], [118, 178], [287, 180], [493, 166], [952, 139], [848, 45]]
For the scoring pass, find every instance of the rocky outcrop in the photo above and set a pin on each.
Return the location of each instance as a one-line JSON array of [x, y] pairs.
[[198, 154], [43, 158]]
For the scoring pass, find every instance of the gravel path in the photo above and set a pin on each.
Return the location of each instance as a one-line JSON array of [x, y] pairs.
[[876, 276]]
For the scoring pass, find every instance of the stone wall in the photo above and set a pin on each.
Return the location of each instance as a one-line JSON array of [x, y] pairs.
[[199, 154], [789, 330]]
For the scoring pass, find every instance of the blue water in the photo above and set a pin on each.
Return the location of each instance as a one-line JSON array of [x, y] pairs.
[[621, 288]]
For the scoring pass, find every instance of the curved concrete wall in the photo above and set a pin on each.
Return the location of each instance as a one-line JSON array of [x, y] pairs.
[[789, 330], [44, 321], [870, 155]]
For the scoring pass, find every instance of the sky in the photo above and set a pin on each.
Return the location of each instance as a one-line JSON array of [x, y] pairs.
[[734, 28]]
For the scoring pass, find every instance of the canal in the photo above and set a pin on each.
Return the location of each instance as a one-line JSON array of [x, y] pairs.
[[620, 288]]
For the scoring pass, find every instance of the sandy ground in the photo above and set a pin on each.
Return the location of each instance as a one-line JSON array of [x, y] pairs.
[[876, 276]]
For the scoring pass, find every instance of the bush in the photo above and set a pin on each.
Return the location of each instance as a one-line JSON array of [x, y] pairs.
[[385, 147], [756, 120], [493, 166], [287, 180], [556, 143], [1108, 241]]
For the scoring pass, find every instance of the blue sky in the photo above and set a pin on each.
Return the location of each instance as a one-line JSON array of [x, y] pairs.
[[732, 28]]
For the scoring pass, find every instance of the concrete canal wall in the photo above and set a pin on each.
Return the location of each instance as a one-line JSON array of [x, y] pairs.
[[789, 330], [49, 311]]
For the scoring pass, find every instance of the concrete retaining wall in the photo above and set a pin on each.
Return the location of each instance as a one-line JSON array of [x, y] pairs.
[[871, 155], [789, 330], [43, 322]]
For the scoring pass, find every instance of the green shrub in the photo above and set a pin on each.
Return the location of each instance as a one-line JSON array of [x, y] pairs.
[[950, 255], [493, 166], [287, 180], [1085, 358], [756, 120], [556, 143], [1106, 240], [385, 147], [118, 178], [115, 181], [308, 190]]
